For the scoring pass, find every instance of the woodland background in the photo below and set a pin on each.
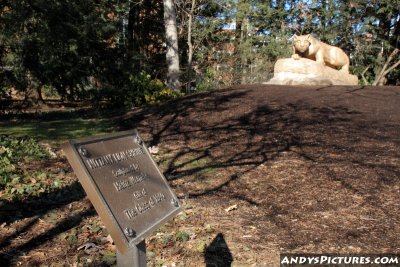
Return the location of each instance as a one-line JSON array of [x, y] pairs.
[[260, 170], [114, 51]]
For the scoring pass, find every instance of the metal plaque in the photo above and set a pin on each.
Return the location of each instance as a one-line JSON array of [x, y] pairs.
[[128, 191]]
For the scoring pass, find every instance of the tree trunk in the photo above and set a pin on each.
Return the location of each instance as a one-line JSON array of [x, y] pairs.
[[33, 94], [238, 66], [133, 33], [324, 19], [396, 34], [190, 46], [33, 97], [171, 36]]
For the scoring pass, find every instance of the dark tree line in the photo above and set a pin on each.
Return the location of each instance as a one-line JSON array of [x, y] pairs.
[[115, 50]]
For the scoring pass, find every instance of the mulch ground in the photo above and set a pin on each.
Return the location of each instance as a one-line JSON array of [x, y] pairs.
[[261, 170]]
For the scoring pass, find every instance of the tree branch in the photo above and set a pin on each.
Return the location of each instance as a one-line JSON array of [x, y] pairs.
[[385, 70], [394, 65], [362, 74]]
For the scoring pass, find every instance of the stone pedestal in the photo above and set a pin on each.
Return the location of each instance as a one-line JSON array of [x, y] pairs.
[[304, 71]]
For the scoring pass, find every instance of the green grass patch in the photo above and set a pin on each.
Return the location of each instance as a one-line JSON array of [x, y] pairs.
[[56, 130], [208, 170], [193, 163], [200, 166], [186, 162]]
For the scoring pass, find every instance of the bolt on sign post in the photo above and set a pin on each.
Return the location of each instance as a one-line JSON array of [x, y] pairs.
[[128, 191]]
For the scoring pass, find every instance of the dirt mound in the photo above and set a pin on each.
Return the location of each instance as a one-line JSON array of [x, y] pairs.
[[310, 169]]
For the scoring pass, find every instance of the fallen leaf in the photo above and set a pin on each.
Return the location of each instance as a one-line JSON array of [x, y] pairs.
[[109, 239], [153, 150], [38, 254], [230, 208], [89, 248]]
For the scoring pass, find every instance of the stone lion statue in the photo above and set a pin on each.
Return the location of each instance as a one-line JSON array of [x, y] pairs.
[[308, 47]]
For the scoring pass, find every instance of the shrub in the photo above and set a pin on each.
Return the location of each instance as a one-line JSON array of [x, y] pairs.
[[145, 90], [138, 90]]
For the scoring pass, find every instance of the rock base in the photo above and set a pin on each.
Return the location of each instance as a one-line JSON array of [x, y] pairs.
[[305, 71]]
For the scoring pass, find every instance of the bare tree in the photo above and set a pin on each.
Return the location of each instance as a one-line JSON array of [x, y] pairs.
[[381, 76], [171, 36]]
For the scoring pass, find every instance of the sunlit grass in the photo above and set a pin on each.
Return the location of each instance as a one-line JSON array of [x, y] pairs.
[[57, 130]]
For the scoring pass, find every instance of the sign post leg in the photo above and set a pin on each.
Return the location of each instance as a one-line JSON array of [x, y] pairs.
[[134, 257]]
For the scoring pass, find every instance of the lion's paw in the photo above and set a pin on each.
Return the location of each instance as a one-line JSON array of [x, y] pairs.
[[296, 56]]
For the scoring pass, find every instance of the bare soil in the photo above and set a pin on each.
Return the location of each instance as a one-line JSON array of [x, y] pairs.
[[261, 170]]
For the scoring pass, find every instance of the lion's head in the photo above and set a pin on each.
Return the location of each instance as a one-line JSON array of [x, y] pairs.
[[302, 43]]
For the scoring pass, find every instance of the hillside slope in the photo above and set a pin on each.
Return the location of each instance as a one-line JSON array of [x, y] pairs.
[[304, 169]]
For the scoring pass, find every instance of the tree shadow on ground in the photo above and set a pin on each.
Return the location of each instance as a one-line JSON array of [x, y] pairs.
[[7, 255], [338, 147], [217, 254], [13, 210], [230, 131], [33, 209]]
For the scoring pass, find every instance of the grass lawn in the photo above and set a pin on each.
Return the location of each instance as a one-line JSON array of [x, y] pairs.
[[56, 130], [57, 126]]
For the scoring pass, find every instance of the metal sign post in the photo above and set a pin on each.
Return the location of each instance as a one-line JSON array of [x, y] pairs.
[[134, 257], [128, 191]]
